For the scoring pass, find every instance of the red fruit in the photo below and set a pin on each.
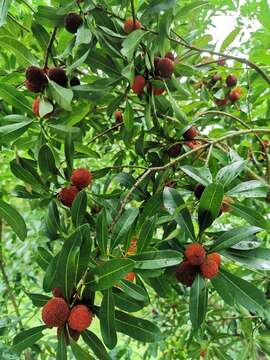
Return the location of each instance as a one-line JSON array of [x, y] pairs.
[[55, 312], [133, 247], [74, 81], [165, 67], [170, 56], [130, 276], [174, 150], [35, 106], [57, 292], [186, 273], [118, 116], [209, 268], [138, 84], [193, 144], [231, 80], [72, 22], [81, 178], [156, 61], [195, 253], [221, 102], [235, 94], [191, 133], [58, 75], [80, 318], [67, 195], [216, 78], [216, 257], [36, 76], [35, 88], [129, 25], [198, 190], [156, 89]]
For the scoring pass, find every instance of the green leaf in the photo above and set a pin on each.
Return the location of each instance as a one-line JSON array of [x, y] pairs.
[[201, 175], [44, 257], [128, 117], [46, 160], [247, 189], [78, 209], [27, 338], [232, 237], [78, 62], [185, 70], [157, 259], [45, 107], [198, 302], [107, 319], [50, 275], [257, 258], [109, 273], [13, 219], [134, 290], [61, 353], [102, 232], [229, 39], [16, 47], [138, 329], [131, 43], [125, 302], [146, 234], [61, 95], [69, 151], [13, 131], [24, 174], [157, 6], [161, 286], [79, 353], [244, 293], [253, 217], [96, 345], [172, 201], [263, 14], [38, 300], [228, 173], [123, 226], [52, 219], [210, 204], [4, 5], [14, 97]]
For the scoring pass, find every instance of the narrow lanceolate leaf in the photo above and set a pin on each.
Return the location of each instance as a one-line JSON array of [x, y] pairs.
[[229, 39], [157, 259], [257, 258], [53, 218], [138, 329], [78, 209], [38, 300], [68, 265], [16, 47], [252, 188], [228, 173], [102, 232], [201, 175], [172, 201], [13, 219], [61, 353], [107, 319], [198, 302], [244, 293], [79, 353], [131, 43], [95, 345], [125, 302], [27, 338], [14, 97], [50, 275], [69, 151], [61, 95], [4, 4], [44, 257], [252, 216], [13, 131], [234, 236], [134, 290], [146, 234], [46, 160], [210, 204], [109, 273], [123, 226]]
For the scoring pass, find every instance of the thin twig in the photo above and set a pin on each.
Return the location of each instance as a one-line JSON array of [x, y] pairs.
[[104, 132], [133, 13], [49, 47]]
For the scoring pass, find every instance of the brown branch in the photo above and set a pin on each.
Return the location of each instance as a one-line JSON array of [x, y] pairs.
[[6, 280], [49, 47], [133, 13], [104, 132]]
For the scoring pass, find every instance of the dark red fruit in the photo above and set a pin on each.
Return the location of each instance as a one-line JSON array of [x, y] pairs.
[[195, 253], [55, 312], [235, 95], [174, 150], [170, 56], [156, 87], [72, 22], [130, 26], [198, 190], [80, 318], [231, 80], [57, 292], [58, 75], [138, 84], [35, 76], [221, 102], [209, 268], [191, 133], [165, 67], [81, 178], [118, 116], [67, 195], [74, 81], [35, 88], [186, 273]]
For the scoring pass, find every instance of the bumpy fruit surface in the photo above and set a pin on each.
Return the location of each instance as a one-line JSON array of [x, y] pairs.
[[35, 88], [67, 195], [193, 144], [191, 133], [80, 318], [130, 276], [216, 257], [235, 94], [81, 178], [129, 25], [55, 312], [174, 150], [209, 268], [35, 76], [231, 80], [195, 253], [57, 292], [198, 190], [58, 75], [186, 273], [72, 22], [165, 67], [138, 84], [170, 56], [74, 81], [133, 247]]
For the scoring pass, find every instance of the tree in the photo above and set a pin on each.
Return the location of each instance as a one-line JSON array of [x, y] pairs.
[[144, 149]]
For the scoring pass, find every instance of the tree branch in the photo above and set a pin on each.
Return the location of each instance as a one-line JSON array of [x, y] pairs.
[[49, 47]]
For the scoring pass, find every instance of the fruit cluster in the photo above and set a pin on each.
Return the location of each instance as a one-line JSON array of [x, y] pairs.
[[232, 93], [80, 179], [197, 261], [57, 313], [189, 135]]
